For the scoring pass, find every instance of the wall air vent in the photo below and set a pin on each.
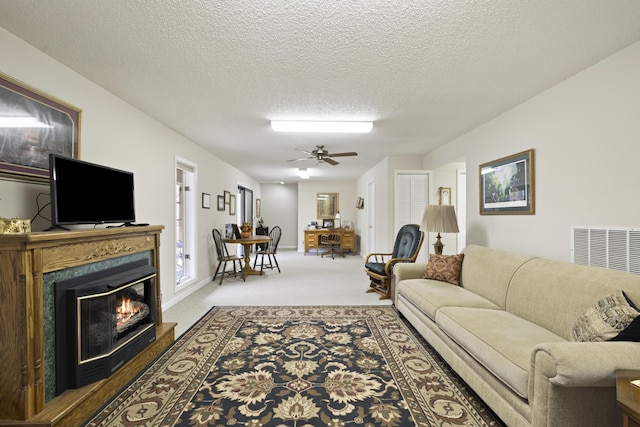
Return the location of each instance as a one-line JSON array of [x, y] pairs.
[[608, 247]]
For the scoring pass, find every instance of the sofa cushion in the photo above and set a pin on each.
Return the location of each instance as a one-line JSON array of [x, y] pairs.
[[502, 342], [488, 272], [431, 295], [445, 268], [610, 318], [565, 290]]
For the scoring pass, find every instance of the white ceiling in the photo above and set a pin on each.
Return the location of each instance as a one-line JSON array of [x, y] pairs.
[[424, 71]]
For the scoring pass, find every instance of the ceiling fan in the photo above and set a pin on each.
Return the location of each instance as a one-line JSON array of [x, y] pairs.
[[322, 155]]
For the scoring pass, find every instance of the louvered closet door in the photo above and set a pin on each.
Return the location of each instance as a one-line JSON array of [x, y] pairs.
[[412, 195]]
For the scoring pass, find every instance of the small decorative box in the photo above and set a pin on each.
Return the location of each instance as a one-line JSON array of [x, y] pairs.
[[15, 226]]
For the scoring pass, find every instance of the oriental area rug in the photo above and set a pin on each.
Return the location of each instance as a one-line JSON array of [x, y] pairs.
[[297, 366]]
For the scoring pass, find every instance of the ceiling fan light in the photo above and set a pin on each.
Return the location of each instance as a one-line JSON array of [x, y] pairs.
[[321, 127]]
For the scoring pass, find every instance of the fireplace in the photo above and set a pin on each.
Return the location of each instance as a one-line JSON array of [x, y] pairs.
[[103, 319]]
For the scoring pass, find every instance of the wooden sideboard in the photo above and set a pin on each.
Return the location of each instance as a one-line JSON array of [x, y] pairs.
[[311, 238], [25, 262]]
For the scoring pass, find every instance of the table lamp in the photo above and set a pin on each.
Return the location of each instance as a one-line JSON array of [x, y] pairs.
[[439, 219]]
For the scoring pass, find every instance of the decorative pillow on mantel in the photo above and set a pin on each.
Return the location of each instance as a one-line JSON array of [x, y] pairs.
[[445, 268], [613, 318]]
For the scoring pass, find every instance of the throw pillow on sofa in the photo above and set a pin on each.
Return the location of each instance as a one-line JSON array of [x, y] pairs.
[[445, 268], [613, 318]]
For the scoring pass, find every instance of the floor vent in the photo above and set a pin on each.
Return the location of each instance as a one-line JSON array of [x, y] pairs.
[[608, 247]]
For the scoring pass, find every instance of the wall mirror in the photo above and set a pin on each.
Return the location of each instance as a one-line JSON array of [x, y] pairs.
[[327, 204]]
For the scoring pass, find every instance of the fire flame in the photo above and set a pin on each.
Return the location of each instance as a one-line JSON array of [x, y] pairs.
[[126, 310]]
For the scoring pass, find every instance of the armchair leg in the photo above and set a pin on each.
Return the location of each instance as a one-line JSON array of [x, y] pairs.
[[380, 287]]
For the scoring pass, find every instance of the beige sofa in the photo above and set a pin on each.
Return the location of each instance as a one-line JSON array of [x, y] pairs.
[[505, 330]]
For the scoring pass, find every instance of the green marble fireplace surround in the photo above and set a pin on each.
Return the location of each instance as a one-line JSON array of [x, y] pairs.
[[49, 280]]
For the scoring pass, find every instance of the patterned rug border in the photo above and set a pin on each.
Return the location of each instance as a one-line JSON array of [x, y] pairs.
[[169, 410]]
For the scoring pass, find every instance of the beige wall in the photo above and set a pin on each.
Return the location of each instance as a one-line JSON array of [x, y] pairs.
[[586, 136], [307, 191], [383, 175], [118, 135], [280, 207]]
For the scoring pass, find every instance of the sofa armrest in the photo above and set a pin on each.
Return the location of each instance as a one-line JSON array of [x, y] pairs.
[[583, 364], [411, 270], [574, 382]]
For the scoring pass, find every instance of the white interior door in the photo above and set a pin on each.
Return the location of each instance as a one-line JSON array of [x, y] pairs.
[[412, 197], [461, 209]]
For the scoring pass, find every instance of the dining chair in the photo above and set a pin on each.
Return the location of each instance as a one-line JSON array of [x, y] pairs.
[[224, 257], [269, 249], [332, 242]]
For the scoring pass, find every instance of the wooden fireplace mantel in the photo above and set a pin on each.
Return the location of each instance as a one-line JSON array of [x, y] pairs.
[[24, 260]]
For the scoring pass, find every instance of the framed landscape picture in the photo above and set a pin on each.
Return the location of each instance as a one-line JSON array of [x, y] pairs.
[[32, 125], [507, 185]]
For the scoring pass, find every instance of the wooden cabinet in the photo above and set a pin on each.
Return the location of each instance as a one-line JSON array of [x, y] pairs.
[[26, 261], [311, 238], [628, 398]]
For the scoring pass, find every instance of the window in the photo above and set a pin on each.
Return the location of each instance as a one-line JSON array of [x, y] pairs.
[[185, 223]]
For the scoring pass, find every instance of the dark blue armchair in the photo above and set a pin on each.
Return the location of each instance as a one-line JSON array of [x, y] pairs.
[[379, 266]]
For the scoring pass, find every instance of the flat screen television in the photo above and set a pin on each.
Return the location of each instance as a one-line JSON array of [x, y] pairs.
[[88, 193]]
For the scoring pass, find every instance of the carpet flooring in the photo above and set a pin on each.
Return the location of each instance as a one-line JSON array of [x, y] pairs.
[[297, 366]]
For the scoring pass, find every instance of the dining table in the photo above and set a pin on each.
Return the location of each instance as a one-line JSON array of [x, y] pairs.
[[246, 243]]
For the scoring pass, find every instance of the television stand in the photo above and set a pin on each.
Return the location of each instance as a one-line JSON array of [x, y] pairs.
[[56, 227]]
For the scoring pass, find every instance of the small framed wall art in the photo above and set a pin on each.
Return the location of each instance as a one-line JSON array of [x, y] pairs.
[[507, 185], [220, 203], [445, 195], [232, 204], [206, 201]]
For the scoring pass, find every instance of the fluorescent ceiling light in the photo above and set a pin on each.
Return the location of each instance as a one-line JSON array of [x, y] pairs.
[[22, 122], [323, 127], [303, 173]]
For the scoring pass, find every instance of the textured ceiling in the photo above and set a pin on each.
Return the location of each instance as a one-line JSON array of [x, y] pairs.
[[424, 71]]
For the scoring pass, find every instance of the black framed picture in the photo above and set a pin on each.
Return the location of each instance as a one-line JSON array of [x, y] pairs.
[[206, 201], [220, 203], [327, 223], [507, 185]]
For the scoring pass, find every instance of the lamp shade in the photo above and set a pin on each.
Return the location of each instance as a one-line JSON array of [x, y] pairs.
[[440, 219]]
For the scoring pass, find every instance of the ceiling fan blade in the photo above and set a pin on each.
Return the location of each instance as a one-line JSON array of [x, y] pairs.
[[302, 158], [330, 161], [351, 153], [306, 152]]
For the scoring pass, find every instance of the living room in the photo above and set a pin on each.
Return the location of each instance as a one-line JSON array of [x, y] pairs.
[[583, 130]]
